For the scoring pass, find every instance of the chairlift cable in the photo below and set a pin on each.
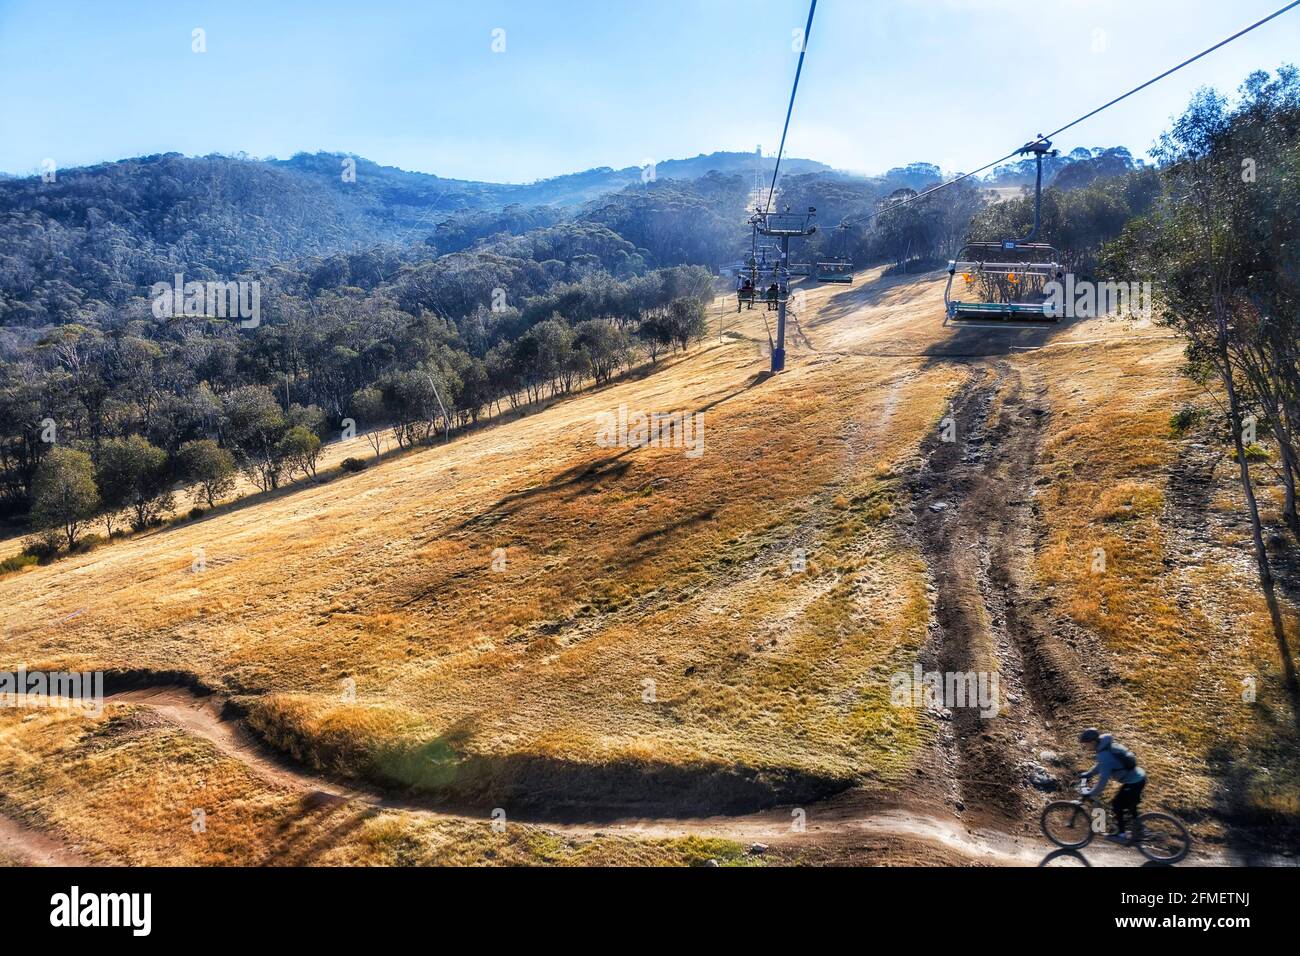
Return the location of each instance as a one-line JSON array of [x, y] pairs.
[[1076, 122], [803, 49], [1172, 70]]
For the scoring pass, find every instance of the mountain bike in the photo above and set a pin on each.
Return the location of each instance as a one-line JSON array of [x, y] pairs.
[[1161, 837]]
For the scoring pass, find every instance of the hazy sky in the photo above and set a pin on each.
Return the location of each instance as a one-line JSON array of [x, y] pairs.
[[582, 83]]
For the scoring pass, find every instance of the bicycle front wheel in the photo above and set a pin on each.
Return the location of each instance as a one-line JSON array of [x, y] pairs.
[[1067, 824], [1162, 838]]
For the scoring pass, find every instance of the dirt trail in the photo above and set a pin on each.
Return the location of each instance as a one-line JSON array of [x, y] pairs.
[[967, 845], [974, 515], [203, 717], [838, 823], [973, 499], [22, 844]]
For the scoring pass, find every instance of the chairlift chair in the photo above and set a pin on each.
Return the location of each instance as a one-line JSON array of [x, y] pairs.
[[838, 268], [784, 224], [744, 298], [1012, 273], [1015, 274], [761, 277], [835, 269]]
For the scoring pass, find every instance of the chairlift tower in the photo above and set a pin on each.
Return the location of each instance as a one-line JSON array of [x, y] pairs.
[[756, 197], [783, 225]]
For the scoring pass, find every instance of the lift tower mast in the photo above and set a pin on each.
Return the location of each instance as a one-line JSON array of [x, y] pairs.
[[783, 225]]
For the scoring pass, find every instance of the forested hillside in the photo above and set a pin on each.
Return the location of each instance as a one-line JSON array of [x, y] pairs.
[[103, 233], [394, 300]]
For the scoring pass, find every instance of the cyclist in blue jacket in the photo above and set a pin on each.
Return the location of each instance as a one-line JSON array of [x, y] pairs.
[[1115, 761]]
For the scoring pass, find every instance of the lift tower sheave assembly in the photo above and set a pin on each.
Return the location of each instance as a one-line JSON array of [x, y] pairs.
[[783, 225]]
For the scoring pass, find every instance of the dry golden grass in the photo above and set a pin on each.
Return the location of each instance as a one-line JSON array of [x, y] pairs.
[[124, 788], [626, 569], [647, 640], [1183, 621]]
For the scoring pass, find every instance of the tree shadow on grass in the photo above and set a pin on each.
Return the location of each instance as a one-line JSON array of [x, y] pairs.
[[325, 821], [584, 478], [1253, 834], [656, 533], [570, 483]]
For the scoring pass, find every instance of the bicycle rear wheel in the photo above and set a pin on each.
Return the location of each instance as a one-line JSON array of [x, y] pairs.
[[1067, 824], [1162, 838]]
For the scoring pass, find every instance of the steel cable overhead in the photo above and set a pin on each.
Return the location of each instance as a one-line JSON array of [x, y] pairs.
[[803, 50], [1069, 125]]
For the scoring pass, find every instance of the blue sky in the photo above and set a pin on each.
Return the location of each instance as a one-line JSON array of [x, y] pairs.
[[582, 83]]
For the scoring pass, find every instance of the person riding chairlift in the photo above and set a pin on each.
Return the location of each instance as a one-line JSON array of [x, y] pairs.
[[744, 293]]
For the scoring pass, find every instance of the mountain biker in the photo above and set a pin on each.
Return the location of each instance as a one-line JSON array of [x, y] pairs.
[[1114, 760]]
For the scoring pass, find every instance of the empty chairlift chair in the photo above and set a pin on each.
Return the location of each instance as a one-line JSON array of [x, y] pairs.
[[1003, 282], [835, 270]]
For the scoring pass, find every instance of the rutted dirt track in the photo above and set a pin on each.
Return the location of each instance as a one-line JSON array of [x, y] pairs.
[[973, 497]]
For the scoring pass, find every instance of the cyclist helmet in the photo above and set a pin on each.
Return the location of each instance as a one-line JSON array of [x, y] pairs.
[[1089, 736]]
